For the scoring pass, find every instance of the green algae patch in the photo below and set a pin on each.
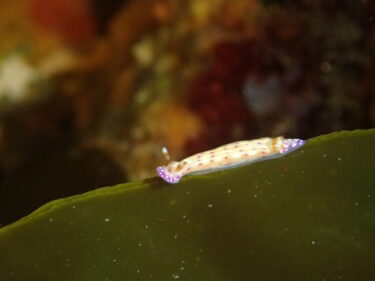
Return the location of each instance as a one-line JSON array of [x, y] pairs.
[[307, 216]]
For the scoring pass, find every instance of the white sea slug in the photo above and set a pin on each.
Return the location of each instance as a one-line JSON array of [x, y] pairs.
[[228, 156]]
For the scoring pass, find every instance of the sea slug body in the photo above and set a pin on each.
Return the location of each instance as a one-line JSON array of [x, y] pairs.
[[228, 156]]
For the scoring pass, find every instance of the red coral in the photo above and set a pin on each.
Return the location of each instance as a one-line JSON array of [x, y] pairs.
[[217, 97], [71, 20]]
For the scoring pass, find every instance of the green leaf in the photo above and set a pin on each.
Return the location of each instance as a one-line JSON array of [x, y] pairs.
[[307, 216]]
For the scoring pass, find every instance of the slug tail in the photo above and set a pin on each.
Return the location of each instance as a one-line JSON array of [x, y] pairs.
[[291, 145]]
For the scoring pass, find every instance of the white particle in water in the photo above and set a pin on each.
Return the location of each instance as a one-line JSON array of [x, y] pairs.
[[51, 219], [107, 219], [175, 276], [139, 244], [339, 159], [356, 204], [313, 242], [324, 155], [255, 195], [229, 191], [210, 205], [182, 268]]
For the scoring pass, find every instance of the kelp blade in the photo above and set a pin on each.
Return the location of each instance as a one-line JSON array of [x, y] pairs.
[[307, 216]]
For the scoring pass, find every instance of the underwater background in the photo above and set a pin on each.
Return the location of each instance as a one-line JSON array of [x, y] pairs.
[[91, 91]]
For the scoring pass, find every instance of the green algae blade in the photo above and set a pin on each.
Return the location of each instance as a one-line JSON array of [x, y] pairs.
[[307, 216]]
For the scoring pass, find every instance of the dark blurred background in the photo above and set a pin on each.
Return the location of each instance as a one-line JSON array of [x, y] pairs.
[[90, 90]]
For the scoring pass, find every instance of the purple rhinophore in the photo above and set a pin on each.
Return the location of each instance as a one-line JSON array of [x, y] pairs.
[[167, 176], [291, 145]]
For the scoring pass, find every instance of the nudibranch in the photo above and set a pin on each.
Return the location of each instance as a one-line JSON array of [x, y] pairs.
[[229, 156]]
